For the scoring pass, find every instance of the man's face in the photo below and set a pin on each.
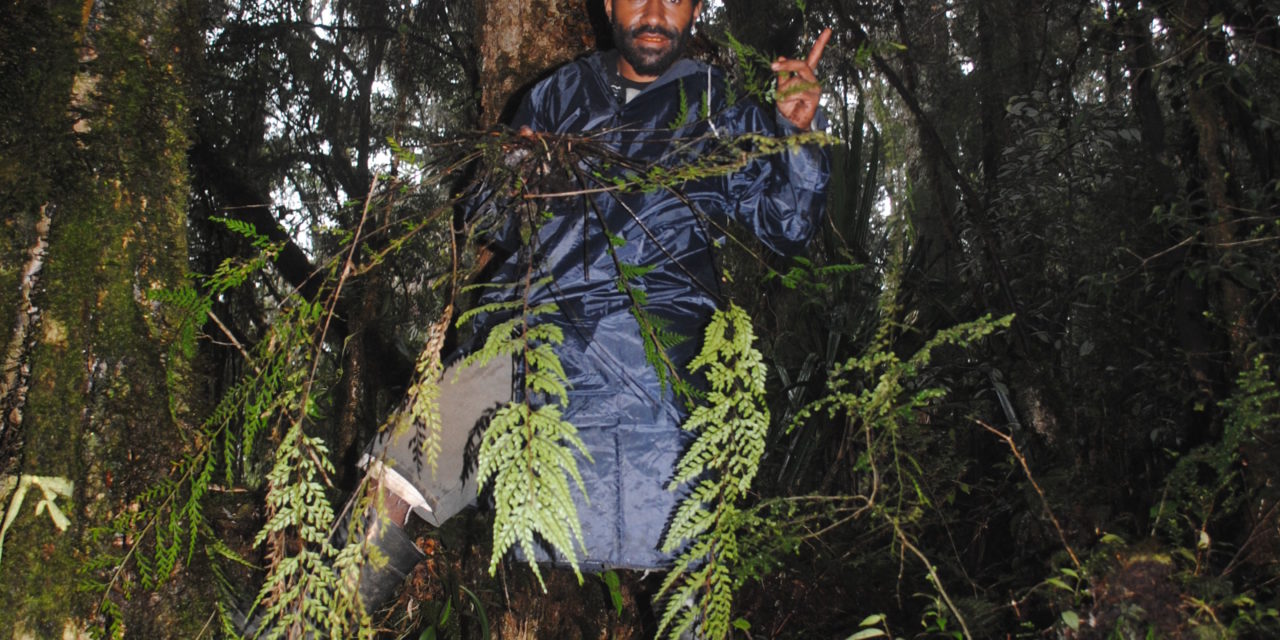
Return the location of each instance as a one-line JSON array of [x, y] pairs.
[[651, 34]]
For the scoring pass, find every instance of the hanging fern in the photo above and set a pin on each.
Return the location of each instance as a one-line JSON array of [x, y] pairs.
[[171, 511], [310, 587], [526, 453], [422, 402], [311, 591], [732, 425]]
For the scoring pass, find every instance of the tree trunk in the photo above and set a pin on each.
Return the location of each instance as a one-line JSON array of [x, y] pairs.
[[96, 184], [522, 41], [1207, 102]]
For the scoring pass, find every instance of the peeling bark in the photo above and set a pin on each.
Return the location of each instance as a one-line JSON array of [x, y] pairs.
[[17, 369]]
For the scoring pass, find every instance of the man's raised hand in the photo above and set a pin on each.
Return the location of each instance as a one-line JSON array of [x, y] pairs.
[[798, 87]]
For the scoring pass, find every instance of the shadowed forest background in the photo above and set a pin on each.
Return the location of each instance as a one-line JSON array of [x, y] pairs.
[[229, 249]]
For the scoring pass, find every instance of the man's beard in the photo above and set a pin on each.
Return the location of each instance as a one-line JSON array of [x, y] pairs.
[[649, 62]]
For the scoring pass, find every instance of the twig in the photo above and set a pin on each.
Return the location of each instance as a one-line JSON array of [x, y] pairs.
[[1043, 500], [1182, 243], [567, 194], [933, 575], [234, 342]]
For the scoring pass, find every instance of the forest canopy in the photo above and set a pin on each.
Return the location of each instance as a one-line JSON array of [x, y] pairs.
[[1022, 384]]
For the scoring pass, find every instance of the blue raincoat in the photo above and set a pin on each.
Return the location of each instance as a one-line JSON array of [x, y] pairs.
[[629, 420]]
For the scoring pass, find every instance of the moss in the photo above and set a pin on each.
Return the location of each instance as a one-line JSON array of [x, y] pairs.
[[36, 64], [98, 409]]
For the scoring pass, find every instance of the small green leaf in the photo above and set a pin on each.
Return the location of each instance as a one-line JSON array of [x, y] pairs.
[[868, 633], [615, 589], [1071, 619], [1111, 538]]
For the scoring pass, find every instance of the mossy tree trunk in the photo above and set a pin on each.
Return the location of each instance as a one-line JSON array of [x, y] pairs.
[[1220, 163], [94, 126]]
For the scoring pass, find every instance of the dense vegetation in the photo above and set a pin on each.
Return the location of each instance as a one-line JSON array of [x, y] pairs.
[[1023, 385]]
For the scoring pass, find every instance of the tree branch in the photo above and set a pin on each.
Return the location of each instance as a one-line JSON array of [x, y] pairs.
[[245, 202]]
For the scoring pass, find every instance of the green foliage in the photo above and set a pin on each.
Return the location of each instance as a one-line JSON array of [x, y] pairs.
[[804, 274], [731, 427], [527, 452], [653, 328], [1210, 483], [755, 76], [1107, 298], [421, 411], [447, 623], [311, 591], [721, 157], [881, 394], [1210, 492], [1252, 413], [682, 109], [657, 339], [614, 585]]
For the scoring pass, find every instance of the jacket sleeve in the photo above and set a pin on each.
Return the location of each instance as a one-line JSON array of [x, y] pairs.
[[781, 197]]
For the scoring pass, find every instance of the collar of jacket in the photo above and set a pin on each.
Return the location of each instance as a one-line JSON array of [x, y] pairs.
[[679, 69]]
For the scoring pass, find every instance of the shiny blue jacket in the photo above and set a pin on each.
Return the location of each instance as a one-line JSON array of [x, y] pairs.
[[628, 419]]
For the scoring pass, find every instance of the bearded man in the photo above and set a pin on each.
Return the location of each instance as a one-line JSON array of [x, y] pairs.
[[649, 106]]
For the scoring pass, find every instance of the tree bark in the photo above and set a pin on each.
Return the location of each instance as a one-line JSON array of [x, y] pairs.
[[1204, 49], [521, 41], [96, 109]]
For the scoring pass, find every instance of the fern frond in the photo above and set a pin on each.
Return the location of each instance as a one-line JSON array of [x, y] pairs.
[[421, 411], [633, 271], [732, 425], [682, 109], [527, 451]]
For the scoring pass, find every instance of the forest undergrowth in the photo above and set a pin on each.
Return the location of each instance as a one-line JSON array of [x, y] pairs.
[[1023, 384], [891, 494], [871, 461]]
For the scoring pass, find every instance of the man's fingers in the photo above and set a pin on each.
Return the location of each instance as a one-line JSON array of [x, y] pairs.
[[815, 54], [792, 71], [800, 68], [806, 68]]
